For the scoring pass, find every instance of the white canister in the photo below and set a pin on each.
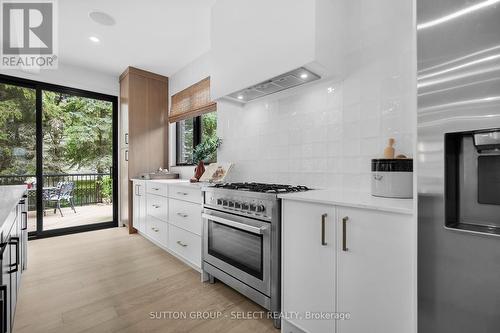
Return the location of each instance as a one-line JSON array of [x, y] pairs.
[[392, 178]]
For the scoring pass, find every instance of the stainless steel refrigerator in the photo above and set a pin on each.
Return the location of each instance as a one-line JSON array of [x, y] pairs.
[[458, 165]]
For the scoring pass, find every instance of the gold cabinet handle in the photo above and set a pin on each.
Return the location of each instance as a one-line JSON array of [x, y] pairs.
[[344, 233], [182, 215], [181, 243], [323, 222], [156, 206], [182, 193], [155, 229]]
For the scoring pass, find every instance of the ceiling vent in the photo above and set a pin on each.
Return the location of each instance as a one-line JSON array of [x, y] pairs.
[[288, 80]]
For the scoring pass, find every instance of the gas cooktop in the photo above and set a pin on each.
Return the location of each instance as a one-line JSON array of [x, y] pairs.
[[261, 187]]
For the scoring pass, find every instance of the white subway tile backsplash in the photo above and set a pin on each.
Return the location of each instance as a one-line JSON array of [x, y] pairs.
[[326, 133]]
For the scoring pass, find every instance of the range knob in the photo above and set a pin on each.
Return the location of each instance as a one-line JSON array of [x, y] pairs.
[[245, 206], [224, 202], [219, 202], [260, 208]]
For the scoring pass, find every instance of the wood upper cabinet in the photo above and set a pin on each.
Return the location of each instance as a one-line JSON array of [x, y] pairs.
[[144, 110]]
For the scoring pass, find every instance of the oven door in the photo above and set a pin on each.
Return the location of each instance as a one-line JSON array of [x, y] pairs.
[[240, 247]]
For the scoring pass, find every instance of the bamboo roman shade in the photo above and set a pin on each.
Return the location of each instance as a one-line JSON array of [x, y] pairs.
[[192, 102]]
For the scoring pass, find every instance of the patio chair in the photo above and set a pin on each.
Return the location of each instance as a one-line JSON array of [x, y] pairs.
[[63, 191]]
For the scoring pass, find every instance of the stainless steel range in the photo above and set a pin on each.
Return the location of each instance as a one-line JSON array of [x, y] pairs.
[[241, 239]]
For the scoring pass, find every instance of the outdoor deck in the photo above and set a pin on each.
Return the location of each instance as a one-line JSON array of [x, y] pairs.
[[88, 214]]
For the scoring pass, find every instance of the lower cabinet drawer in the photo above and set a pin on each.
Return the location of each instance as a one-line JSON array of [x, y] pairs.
[[185, 215], [157, 206], [156, 188], [183, 192], [185, 244], [157, 230]]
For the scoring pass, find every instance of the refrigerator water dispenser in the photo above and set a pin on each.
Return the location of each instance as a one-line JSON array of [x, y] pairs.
[[472, 181]]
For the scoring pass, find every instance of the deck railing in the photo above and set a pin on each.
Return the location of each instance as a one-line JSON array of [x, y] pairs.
[[89, 187]]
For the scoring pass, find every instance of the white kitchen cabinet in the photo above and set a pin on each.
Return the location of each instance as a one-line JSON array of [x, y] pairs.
[[169, 215], [157, 188], [253, 41], [182, 192], [308, 259], [374, 271], [139, 205], [365, 273], [157, 230], [157, 206], [185, 215], [185, 245]]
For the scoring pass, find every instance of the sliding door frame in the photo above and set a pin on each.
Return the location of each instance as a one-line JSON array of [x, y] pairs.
[[39, 87]]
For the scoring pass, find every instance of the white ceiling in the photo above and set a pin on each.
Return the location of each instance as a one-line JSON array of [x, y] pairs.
[[155, 35]]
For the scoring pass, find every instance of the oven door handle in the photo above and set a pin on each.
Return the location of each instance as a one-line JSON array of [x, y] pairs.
[[242, 226]]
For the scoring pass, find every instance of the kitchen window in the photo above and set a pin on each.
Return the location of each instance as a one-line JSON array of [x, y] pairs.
[[191, 132]]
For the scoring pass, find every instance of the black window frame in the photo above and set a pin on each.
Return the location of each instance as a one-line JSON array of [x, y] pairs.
[[197, 137]]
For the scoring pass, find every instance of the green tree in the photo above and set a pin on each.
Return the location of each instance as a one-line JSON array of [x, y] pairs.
[[89, 140], [17, 130], [77, 132], [54, 123]]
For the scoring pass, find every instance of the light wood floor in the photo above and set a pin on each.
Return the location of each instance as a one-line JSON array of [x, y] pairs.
[[109, 281]]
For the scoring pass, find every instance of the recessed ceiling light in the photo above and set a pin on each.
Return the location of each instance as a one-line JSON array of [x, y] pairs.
[[240, 96], [94, 39], [102, 18], [303, 76]]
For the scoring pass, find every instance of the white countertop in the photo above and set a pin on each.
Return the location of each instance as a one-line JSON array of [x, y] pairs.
[[9, 198], [180, 182], [352, 199]]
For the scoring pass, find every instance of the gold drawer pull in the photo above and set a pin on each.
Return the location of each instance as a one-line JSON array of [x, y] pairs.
[[323, 221], [182, 215], [182, 193], [181, 243], [344, 233], [156, 206], [155, 229]]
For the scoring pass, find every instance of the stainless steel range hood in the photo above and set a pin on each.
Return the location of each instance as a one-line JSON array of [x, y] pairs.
[[288, 80]]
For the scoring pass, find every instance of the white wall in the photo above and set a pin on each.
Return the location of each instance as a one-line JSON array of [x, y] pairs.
[[320, 138], [74, 77]]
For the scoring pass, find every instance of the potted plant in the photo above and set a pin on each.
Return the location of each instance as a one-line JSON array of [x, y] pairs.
[[205, 151]]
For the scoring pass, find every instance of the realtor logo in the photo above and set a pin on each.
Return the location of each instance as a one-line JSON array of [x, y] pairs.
[[28, 34]]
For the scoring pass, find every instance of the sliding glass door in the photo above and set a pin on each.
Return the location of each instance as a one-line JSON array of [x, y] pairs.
[[77, 160], [65, 153]]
